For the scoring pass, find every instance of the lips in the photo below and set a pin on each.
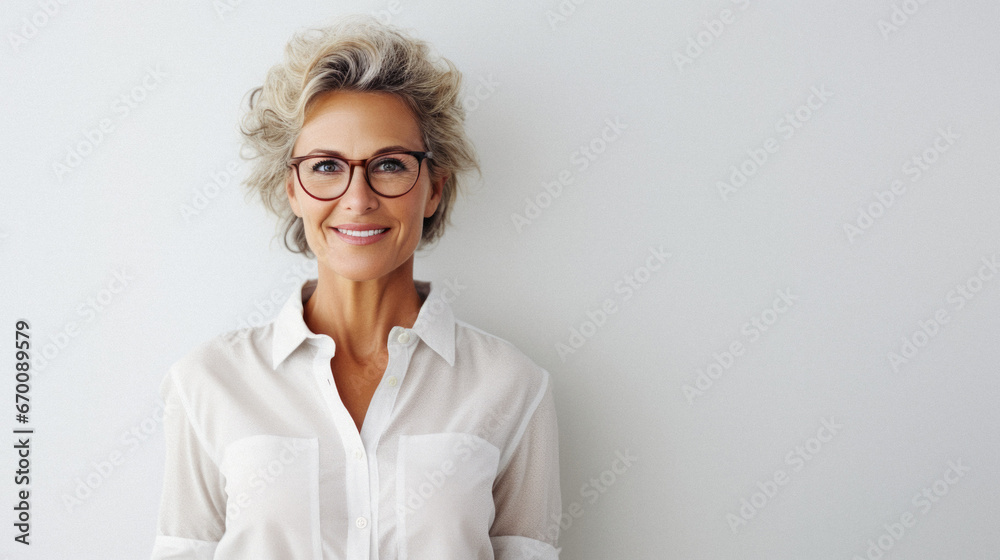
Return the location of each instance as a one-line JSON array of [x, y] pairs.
[[360, 234]]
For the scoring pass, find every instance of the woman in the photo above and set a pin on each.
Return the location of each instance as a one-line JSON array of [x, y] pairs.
[[365, 421]]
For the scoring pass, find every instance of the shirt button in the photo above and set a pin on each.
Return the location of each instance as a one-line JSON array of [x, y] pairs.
[[404, 337], [361, 523], [359, 454], [392, 381]]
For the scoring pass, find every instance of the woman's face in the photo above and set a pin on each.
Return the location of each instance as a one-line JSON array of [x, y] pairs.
[[357, 124]]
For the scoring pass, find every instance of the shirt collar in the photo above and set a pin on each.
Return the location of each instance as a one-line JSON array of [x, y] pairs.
[[435, 323]]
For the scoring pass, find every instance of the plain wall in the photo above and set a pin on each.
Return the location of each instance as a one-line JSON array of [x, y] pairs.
[[807, 370]]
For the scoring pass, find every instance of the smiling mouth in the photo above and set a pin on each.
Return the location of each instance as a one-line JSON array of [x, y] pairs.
[[363, 233]]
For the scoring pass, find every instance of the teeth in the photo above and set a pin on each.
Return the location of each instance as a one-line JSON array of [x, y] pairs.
[[353, 233]]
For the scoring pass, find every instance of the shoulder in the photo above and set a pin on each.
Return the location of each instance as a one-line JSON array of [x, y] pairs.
[[500, 363], [221, 360]]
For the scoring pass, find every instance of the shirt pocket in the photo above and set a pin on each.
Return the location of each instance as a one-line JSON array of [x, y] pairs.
[[444, 496], [272, 504]]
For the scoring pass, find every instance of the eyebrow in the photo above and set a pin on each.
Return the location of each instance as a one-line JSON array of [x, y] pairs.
[[335, 153]]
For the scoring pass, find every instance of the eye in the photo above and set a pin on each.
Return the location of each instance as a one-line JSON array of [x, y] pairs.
[[327, 166], [389, 165]]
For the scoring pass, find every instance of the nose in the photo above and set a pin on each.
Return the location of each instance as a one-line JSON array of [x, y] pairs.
[[359, 194]]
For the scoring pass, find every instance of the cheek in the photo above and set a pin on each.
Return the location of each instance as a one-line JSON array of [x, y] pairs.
[[417, 220], [313, 211]]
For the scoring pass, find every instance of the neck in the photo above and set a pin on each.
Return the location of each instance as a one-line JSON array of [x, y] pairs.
[[358, 315]]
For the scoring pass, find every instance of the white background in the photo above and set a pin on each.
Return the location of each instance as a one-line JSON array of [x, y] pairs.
[[654, 184]]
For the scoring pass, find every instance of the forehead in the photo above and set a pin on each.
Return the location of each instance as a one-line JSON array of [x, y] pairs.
[[358, 121]]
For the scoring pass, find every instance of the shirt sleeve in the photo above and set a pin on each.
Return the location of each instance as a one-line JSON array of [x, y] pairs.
[[193, 504], [526, 493]]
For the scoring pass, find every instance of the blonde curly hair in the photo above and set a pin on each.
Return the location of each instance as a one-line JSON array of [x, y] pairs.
[[357, 53]]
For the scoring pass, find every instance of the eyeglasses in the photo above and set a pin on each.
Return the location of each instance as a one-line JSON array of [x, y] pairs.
[[326, 177]]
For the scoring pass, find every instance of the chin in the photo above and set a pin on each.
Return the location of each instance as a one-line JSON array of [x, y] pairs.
[[354, 268]]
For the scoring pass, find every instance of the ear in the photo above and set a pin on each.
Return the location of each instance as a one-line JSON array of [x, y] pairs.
[[437, 189], [293, 201]]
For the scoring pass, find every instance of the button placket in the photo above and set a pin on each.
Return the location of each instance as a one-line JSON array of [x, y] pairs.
[[400, 344], [357, 477], [401, 341]]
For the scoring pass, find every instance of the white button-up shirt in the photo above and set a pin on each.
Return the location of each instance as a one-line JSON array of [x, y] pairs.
[[457, 457]]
